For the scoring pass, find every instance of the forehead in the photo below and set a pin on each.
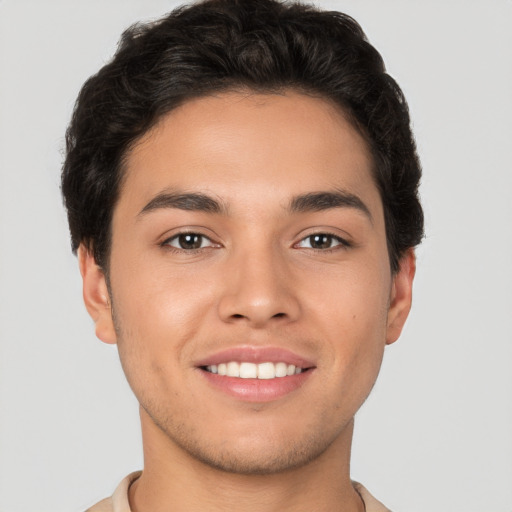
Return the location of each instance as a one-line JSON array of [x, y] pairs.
[[259, 145]]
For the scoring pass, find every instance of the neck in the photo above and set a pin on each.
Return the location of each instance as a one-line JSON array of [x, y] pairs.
[[173, 479]]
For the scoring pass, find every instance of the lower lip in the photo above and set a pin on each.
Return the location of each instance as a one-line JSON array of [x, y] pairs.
[[257, 390]]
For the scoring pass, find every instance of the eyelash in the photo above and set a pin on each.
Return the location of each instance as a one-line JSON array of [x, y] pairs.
[[341, 242], [167, 243]]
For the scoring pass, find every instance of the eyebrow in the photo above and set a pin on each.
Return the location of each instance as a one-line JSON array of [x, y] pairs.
[[310, 202], [185, 201], [319, 201]]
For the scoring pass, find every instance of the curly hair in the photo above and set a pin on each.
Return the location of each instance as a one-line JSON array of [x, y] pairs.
[[219, 45]]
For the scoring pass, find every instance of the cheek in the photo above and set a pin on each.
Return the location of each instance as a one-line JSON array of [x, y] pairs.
[[351, 316], [153, 295], [353, 300], [158, 314]]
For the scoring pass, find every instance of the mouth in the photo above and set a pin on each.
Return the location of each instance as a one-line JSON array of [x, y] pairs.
[[256, 374], [247, 370]]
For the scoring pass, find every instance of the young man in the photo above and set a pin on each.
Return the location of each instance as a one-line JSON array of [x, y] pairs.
[[241, 184]]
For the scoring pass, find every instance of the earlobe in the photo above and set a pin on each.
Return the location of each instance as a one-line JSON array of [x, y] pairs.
[[96, 296], [401, 296]]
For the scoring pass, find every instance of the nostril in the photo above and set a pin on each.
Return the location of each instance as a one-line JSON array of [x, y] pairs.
[[277, 315]]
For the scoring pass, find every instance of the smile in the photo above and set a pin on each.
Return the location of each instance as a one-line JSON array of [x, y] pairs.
[[256, 374], [246, 370]]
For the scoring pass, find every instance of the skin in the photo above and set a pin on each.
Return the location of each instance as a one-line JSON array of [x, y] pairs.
[[256, 281]]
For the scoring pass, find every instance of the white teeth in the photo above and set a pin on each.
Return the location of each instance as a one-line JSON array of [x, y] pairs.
[[266, 371], [255, 371], [233, 369], [248, 371], [281, 369]]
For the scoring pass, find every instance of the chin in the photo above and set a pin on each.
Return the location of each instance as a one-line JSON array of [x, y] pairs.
[[262, 452], [255, 461]]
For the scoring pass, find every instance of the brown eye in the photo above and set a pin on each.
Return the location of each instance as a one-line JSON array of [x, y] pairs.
[[321, 241], [189, 241]]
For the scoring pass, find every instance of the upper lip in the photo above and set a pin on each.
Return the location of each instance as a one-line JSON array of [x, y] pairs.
[[252, 354]]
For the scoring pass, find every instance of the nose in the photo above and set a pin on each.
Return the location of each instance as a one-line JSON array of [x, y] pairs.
[[258, 289]]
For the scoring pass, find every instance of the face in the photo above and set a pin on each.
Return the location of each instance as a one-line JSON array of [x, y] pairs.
[[250, 288]]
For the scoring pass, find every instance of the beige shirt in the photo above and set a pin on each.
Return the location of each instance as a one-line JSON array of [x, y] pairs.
[[119, 500]]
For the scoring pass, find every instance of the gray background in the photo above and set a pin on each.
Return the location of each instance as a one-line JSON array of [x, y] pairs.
[[436, 432]]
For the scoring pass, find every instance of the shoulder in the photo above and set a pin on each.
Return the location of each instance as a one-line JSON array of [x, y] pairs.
[[370, 503], [118, 502], [103, 506]]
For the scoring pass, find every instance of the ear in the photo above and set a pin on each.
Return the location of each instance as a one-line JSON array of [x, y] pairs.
[[96, 296], [401, 296]]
